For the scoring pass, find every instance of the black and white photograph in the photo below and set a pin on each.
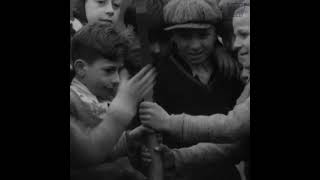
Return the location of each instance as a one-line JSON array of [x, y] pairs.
[[159, 90]]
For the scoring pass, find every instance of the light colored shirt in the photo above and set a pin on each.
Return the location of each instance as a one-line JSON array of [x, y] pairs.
[[76, 24], [99, 108]]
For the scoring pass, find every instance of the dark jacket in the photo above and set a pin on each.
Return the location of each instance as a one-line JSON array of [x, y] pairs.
[[177, 91]]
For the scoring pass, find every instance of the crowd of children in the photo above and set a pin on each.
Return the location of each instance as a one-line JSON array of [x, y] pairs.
[[200, 85]]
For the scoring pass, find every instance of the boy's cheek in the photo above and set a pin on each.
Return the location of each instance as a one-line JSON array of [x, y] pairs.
[[115, 17]]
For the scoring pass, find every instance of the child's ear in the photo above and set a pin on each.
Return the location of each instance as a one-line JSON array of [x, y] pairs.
[[80, 67]]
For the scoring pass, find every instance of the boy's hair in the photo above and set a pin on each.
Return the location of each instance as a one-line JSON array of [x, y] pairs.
[[241, 11], [79, 11], [96, 40]]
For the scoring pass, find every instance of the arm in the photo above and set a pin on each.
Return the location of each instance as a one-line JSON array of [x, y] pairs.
[[90, 146], [129, 139], [199, 155], [215, 128], [192, 129], [203, 154]]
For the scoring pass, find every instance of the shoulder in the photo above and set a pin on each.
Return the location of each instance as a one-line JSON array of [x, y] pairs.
[[73, 101]]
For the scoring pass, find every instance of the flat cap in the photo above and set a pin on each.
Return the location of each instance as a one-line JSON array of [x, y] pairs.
[[191, 14]]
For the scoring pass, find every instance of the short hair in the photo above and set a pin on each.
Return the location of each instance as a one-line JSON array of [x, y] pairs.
[[99, 40], [225, 27], [241, 11], [78, 10]]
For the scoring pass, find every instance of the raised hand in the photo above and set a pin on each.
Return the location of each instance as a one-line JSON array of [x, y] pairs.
[[131, 91]]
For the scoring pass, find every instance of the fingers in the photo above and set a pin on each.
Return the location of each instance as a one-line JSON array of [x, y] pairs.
[[142, 73], [139, 131], [145, 117], [145, 111], [124, 74], [148, 78], [146, 123], [145, 129], [146, 104], [149, 130], [147, 83], [145, 90], [161, 148], [146, 156]]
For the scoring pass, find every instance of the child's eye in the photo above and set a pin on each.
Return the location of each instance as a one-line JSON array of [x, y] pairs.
[[110, 71], [116, 5], [100, 2], [243, 34]]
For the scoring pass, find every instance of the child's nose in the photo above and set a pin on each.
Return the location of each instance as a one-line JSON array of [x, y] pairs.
[[195, 44], [116, 78], [236, 43], [109, 9]]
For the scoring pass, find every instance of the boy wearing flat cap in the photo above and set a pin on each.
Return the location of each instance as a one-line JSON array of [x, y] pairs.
[[199, 79]]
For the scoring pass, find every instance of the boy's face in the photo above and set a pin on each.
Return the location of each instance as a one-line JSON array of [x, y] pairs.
[[241, 25], [194, 45], [102, 77], [102, 10]]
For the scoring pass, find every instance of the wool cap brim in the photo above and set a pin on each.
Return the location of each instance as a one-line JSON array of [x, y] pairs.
[[188, 26]]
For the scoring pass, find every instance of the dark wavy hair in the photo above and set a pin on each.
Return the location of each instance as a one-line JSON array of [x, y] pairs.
[[99, 39], [79, 11]]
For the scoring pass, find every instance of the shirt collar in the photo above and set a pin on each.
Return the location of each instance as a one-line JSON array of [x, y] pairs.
[[83, 91]]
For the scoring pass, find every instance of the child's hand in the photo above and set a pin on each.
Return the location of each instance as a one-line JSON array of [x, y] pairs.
[[154, 116], [137, 133], [166, 155], [138, 86], [131, 91]]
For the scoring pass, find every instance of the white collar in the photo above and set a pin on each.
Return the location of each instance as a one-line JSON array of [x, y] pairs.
[[85, 94]]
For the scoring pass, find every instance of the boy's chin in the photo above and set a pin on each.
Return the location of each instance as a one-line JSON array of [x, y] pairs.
[[108, 94]]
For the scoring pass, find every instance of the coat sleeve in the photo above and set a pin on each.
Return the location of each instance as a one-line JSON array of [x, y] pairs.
[[203, 154], [218, 128]]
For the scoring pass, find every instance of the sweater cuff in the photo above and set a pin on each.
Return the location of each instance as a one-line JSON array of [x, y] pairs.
[[176, 123]]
